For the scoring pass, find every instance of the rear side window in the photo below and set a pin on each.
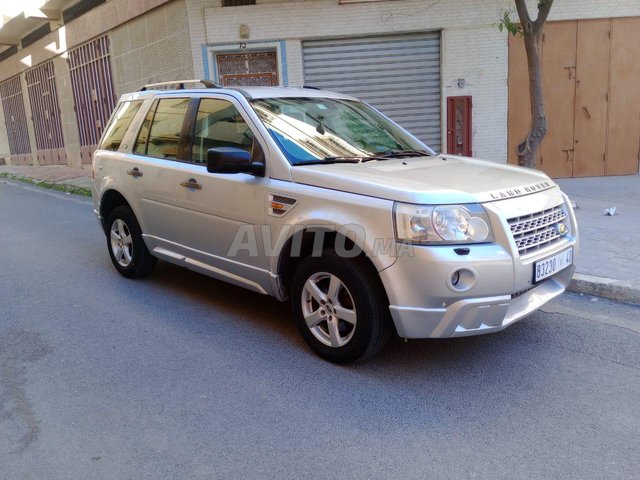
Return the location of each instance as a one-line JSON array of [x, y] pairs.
[[160, 132], [119, 124]]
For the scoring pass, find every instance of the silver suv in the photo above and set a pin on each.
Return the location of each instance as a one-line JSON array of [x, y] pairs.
[[316, 197]]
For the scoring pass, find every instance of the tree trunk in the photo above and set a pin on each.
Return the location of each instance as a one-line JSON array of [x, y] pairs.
[[532, 31]]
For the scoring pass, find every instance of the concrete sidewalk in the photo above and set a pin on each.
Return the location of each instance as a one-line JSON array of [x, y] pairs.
[[607, 264], [54, 174]]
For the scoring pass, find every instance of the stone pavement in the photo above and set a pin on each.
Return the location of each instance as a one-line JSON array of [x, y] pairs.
[[608, 264]]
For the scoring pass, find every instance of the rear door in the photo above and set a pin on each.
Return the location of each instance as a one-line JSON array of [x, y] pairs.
[[149, 172]]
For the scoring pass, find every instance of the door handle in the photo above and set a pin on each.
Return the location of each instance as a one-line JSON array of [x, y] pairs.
[[191, 183], [135, 172]]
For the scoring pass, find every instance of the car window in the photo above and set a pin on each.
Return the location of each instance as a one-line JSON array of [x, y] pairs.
[[141, 142], [313, 129], [119, 124], [219, 124], [164, 131]]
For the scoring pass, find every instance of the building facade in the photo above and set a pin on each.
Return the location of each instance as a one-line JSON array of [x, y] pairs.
[[441, 69]]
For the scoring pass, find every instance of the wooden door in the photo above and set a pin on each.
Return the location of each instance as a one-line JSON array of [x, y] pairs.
[[623, 142], [591, 105], [590, 72], [559, 86]]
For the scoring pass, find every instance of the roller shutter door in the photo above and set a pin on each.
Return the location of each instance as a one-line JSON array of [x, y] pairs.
[[399, 75]]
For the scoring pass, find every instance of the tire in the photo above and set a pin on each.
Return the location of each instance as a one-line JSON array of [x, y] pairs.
[[126, 247], [353, 323]]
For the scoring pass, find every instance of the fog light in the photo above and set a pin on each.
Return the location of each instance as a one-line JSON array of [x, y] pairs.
[[462, 279]]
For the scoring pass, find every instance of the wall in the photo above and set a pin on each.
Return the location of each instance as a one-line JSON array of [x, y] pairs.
[[67, 113], [104, 18], [472, 47], [152, 48]]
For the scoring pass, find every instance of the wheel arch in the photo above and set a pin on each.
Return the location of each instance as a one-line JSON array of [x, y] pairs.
[[289, 260], [110, 200]]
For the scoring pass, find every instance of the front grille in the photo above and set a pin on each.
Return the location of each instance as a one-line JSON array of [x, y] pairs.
[[537, 230]]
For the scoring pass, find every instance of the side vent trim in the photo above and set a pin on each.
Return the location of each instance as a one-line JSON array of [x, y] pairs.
[[280, 205]]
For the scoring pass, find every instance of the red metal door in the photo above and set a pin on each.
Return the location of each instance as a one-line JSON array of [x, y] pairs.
[[459, 126], [45, 112], [16, 121], [93, 92]]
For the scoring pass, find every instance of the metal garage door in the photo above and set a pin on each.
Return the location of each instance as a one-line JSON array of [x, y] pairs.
[[45, 113], [93, 96], [399, 75], [16, 121]]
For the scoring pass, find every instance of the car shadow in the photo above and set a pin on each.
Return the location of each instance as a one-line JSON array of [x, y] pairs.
[[449, 377]]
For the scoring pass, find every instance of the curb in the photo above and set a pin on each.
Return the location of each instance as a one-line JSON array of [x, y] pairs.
[[65, 186], [609, 288]]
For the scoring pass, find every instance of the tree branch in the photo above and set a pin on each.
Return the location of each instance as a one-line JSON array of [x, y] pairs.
[[544, 7], [523, 13]]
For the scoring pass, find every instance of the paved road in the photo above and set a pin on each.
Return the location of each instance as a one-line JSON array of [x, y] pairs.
[[182, 377]]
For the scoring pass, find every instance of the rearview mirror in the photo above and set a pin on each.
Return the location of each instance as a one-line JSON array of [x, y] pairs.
[[232, 160]]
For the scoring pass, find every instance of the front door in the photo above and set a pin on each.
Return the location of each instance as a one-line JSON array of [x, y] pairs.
[[216, 210]]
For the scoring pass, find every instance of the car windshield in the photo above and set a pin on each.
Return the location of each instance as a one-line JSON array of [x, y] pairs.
[[319, 130]]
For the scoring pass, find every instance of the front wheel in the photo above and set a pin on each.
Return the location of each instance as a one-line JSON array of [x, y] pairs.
[[126, 247], [340, 308]]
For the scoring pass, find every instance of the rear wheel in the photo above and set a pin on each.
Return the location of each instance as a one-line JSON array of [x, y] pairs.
[[126, 247], [340, 308]]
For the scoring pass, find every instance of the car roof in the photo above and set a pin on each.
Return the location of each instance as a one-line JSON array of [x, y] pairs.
[[247, 92]]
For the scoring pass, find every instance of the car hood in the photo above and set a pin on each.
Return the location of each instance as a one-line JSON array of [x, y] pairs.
[[443, 179]]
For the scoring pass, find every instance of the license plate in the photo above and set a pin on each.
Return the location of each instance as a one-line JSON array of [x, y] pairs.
[[547, 267]]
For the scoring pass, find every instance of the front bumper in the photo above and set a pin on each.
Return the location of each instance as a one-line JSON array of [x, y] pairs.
[[499, 289], [476, 316]]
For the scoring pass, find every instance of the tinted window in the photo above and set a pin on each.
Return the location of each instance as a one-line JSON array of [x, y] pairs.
[[219, 124], [164, 134], [141, 142], [119, 124]]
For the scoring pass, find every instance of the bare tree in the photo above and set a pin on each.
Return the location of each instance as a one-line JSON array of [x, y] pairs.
[[531, 30]]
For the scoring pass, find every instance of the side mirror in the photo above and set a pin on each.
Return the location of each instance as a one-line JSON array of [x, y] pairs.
[[232, 160]]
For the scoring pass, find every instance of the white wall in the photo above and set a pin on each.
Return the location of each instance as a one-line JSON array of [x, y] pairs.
[[472, 46], [154, 47]]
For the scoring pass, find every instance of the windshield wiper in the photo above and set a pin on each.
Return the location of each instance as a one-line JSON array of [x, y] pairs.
[[399, 154], [329, 160], [378, 156]]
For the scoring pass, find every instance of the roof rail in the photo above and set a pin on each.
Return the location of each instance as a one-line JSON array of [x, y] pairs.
[[179, 84]]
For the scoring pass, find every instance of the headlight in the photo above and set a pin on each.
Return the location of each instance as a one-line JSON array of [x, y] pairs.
[[445, 224]]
